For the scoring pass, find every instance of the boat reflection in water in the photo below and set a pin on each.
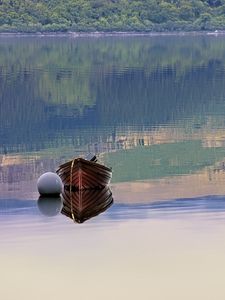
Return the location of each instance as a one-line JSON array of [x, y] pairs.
[[82, 205]]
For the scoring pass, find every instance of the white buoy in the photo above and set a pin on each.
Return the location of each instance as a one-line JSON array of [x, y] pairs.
[[49, 184]]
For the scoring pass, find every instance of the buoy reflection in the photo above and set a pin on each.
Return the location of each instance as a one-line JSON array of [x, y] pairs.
[[49, 206]]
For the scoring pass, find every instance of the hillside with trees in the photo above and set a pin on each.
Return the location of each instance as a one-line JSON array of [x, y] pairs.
[[111, 15]]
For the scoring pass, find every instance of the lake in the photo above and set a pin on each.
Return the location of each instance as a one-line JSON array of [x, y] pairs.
[[153, 109]]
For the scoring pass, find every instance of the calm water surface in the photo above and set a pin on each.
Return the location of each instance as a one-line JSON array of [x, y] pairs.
[[152, 108]]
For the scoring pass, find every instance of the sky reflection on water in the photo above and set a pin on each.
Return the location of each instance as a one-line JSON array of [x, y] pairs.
[[157, 258]]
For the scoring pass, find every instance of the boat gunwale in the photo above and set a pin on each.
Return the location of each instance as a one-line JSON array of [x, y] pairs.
[[88, 162]]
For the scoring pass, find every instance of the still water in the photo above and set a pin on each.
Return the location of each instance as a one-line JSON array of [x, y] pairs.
[[153, 109]]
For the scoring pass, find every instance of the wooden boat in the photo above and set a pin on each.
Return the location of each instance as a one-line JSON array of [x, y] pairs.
[[84, 204], [82, 174]]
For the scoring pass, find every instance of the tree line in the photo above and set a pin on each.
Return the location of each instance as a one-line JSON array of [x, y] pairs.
[[111, 15]]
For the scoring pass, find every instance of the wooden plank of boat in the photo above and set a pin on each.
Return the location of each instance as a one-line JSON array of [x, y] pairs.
[[84, 204], [80, 174]]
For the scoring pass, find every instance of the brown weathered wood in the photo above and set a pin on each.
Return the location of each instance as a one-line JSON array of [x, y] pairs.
[[84, 204], [85, 174]]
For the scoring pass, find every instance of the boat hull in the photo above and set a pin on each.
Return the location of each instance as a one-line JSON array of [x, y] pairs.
[[81, 174]]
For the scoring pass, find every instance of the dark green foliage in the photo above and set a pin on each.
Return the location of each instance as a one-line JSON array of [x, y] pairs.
[[111, 15], [55, 89]]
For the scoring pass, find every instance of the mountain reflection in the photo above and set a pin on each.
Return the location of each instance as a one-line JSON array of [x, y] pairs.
[[85, 204]]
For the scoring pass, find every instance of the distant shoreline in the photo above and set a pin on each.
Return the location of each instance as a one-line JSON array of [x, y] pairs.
[[110, 34]]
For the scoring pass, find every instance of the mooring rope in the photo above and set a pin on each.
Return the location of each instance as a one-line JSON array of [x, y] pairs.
[[71, 180]]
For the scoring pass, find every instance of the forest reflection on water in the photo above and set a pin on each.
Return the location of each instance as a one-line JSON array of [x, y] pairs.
[[152, 109], [83, 92]]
